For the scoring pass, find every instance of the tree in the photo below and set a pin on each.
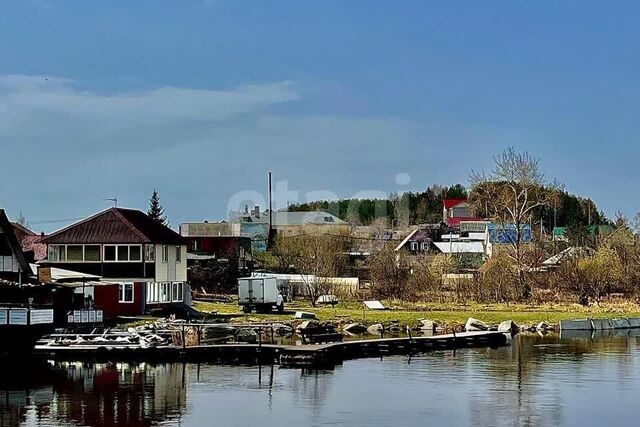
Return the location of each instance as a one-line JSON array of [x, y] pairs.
[[316, 257], [390, 273], [600, 272], [22, 220], [156, 210], [511, 193], [443, 264]]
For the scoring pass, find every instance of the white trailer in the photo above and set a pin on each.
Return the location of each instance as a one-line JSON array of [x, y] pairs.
[[259, 293]]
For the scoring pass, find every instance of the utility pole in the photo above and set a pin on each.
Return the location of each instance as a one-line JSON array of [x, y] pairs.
[[270, 236]]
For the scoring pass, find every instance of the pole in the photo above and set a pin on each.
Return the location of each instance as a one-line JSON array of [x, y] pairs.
[[269, 239]]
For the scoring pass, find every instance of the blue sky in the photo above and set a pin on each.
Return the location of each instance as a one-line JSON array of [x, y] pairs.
[[200, 98]]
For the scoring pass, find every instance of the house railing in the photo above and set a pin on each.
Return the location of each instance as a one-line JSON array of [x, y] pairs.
[[24, 316]]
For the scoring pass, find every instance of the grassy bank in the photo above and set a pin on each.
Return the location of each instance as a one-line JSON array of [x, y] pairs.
[[447, 314]]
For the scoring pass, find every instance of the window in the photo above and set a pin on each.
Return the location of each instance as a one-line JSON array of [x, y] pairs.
[[123, 253], [126, 292], [92, 253], [165, 253], [57, 253], [135, 253], [109, 253], [196, 245], [414, 246], [178, 254], [177, 292], [165, 292], [149, 253], [152, 292], [74, 253]]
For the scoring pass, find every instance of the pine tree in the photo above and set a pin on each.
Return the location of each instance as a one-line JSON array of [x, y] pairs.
[[156, 210]]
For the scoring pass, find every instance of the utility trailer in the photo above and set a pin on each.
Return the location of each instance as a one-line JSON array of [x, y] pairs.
[[260, 293]]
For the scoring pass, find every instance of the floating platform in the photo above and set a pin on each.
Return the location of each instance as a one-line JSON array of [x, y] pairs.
[[286, 355]]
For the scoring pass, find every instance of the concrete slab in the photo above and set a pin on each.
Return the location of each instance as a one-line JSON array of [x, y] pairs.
[[634, 322], [576, 325], [621, 323], [601, 324]]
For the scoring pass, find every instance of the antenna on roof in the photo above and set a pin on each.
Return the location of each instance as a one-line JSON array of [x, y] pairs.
[[114, 200]]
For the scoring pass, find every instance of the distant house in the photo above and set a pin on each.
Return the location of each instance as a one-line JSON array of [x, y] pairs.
[[30, 242], [417, 242], [505, 234], [560, 233], [255, 224], [456, 210], [13, 265], [219, 241], [125, 246]]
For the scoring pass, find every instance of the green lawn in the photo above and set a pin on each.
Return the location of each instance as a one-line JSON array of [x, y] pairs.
[[447, 314]]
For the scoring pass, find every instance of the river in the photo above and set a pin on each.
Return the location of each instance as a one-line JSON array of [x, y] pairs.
[[537, 381]]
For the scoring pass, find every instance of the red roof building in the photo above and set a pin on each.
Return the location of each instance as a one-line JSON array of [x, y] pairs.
[[456, 210]]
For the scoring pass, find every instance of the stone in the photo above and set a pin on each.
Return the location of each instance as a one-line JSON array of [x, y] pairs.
[[475, 325], [307, 324], [508, 326], [427, 325], [355, 328], [375, 329], [304, 315], [542, 326]]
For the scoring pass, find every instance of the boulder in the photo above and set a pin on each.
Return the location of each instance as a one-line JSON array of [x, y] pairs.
[[475, 325], [427, 325], [542, 326], [307, 324], [304, 315], [355, 328], [508, 326], [375, 329]]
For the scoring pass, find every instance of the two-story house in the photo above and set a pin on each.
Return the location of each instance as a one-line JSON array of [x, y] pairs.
[[125, 246]]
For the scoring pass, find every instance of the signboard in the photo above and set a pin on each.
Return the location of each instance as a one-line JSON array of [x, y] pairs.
[[44, 274], [85, 316]]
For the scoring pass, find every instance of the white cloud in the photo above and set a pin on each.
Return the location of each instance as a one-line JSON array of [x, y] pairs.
[[24, 95]]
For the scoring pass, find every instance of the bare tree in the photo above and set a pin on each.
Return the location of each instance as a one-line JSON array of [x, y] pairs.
[[316, 257], [390, 273], [510, 194]]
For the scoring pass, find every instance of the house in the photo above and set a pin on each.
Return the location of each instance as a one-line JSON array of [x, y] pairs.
[[218, 240], [255, 224], [30, 242], [456, 210], [13, 264], [560, 234], [125, 246], [498, 235], [419, 240]]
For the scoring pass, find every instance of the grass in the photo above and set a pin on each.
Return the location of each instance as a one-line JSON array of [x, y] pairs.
[[448, 314]]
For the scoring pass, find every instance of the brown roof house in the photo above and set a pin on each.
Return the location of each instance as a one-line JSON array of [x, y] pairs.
[[125, 246]]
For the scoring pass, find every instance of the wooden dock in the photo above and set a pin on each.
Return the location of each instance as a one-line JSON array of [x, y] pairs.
[[286, 355]]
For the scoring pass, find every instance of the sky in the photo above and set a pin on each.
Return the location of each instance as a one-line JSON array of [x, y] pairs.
[[199, 99]]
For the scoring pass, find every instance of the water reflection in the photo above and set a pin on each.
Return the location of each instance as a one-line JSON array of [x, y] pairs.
[[67, 393], [538, 380]]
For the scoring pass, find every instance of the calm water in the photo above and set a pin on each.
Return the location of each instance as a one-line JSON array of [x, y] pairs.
[[537, 381]]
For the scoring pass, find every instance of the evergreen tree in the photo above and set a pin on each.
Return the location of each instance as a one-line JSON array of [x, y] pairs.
[[156, 210]]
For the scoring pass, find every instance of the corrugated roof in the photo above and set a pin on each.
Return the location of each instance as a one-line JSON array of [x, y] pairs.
[[460, 247], [116, 225], [297, 218]]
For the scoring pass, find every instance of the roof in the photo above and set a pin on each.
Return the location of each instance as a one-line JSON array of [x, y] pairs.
[[450, 203], [507, 233], [570, 252], [24, 230], [460, 247], [592, 229], [7, 230], [115, 225], [58, 274], [297, 218]]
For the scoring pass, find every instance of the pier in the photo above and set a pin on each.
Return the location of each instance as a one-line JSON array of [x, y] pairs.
[[285, 355]]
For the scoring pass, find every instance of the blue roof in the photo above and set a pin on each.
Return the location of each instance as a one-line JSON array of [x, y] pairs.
[[507, 233]]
